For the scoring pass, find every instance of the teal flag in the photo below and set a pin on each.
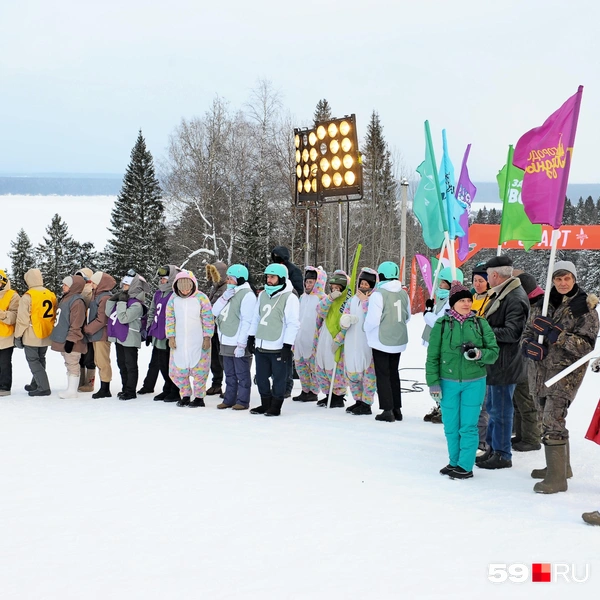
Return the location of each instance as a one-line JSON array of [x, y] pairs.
[[454, 209], [515, 223], [427, 204]]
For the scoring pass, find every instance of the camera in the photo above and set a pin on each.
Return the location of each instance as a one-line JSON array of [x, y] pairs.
[[469, 349]]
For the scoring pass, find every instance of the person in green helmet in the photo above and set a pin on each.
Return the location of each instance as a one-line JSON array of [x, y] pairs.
[[272, 333], [385, 325]]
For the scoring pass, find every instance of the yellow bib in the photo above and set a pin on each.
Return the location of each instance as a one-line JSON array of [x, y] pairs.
[[43, 312], [6, 330]]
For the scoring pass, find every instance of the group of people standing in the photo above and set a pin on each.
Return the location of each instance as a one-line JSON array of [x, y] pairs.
[[490, 349]]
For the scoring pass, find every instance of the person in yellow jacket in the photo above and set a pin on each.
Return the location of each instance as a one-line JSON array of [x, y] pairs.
[[35, 322], [9, 304]]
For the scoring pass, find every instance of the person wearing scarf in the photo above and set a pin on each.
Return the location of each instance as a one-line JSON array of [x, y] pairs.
[[569, 332], [460, 346]]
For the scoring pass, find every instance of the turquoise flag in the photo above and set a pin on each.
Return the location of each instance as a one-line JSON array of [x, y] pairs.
[[515, 224], [427, 204], [454, 209]]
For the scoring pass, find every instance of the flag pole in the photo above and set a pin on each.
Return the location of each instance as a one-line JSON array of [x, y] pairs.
[[438, 269], [555, 236]]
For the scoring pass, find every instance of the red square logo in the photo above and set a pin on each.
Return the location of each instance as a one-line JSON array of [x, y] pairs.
[[541, 572]]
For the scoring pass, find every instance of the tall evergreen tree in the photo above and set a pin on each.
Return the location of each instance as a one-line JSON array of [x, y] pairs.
[[57, 254], [322, 111], [22, 258], [138, 220]]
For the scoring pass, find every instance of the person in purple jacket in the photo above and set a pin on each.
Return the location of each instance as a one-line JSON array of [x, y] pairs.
[[156, 336]]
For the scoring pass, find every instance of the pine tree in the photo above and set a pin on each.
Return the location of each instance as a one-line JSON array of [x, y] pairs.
[[138, 220], [322, 111], [88, 257], [57, 254], [22, 259]]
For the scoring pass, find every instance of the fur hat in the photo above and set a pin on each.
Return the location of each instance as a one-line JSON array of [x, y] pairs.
[[457, 292], [68, 281], [96, 277], [498, 261], [565, 265]]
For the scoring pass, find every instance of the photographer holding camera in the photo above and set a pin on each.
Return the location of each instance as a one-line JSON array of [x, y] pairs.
[[460, 346]]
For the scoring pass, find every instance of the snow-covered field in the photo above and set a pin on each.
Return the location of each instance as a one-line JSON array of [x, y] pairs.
[[87, 218], [104, 499]]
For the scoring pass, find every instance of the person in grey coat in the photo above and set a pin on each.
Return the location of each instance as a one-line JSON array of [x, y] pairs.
[[127, 312]]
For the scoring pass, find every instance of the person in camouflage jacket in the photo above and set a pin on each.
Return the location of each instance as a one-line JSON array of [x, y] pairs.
[[569, 332]]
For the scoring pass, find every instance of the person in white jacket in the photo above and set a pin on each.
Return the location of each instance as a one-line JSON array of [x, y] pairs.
[[234, 311], [315, 279], [272, 333], [385, 325]]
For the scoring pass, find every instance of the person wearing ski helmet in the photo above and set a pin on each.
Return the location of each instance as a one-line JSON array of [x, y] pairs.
[[385, 325], [436, 310], [272, 333], [156, 335], [189, 327], [233, 312], [304, 356], [329, 352], [358, 356]]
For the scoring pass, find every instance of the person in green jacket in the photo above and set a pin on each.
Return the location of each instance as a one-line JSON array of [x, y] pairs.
[[460, 346]]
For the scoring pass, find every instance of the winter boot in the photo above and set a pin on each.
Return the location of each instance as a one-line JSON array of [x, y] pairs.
[[397, 414], [30, 387], [362, 408], [239, 407], [144, 390], [38, 392], [429, 415], [541, 473], [337, 401], [90, 379], [274, 409], [437, 416], [127, 396], [185, 401], [525, 446], [460, 473], [591, 518], [323, 402], [386, 415], [197, 402], [351, 408], [310, 397], [160, 396], [82, 375], [213, 390], [265, 403], [71, 391], [495, 461], [556, 472], [300, 397], [172, 397], [104, 391], [223, 406], [446, 470]]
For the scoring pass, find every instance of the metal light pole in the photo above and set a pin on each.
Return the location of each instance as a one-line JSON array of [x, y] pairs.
[[307, 239], [404, 192]]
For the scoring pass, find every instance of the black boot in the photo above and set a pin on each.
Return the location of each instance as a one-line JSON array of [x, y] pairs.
[[38, 392], [160, 396], [274, 409], [31, 387], [397, 414], [310, 397], [197, 402], [362, 408], [386, 415], [300, 397], [145, 390], [265, 403], [337, 401], [104, 391], [185, 401]]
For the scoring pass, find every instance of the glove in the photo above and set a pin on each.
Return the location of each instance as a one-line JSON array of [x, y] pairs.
[[69, 346], [206, 343], [429, 305], [251, 344], [435, 391], [148, 340], [19, 343], [240, 351], [286, 353], [348, 320], [2, 314], [172, 343], [119, 296], [477, 354], [533, 350], [228, 293], [579, 306], [335, 294], [595, 365], [547, 327]]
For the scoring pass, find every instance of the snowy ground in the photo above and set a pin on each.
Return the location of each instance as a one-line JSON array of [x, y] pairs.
[[87, 218], [144, 500]]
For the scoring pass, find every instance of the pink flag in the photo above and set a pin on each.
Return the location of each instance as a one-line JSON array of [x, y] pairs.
[[425, 267], [544, 153], [465, 193]]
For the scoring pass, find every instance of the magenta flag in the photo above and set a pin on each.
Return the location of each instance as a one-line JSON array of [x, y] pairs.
[[425, 267], [544, 153], [465, 193]]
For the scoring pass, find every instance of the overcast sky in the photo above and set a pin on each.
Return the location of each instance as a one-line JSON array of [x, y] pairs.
[[78, 79]]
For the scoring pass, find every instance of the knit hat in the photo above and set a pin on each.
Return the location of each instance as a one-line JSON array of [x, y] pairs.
[[68, 281], [528, 282], [96, 277], [457, 292], [480, 270], [564, 265]]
